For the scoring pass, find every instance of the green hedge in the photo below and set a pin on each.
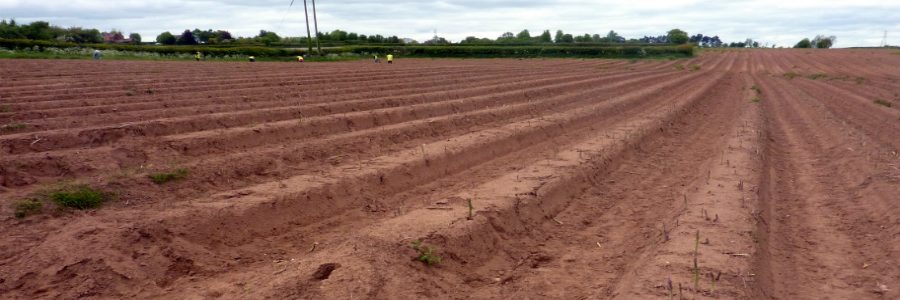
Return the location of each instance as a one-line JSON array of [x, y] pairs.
[[483, 51], [164, 50], [528, 51]]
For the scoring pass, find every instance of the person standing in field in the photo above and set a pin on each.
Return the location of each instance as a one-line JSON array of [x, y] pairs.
[[97, 55], [376, 59], [300, 58], [252, 59], [198, 56], [390, 58]]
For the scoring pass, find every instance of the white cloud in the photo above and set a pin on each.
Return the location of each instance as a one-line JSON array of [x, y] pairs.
[[856, 23]]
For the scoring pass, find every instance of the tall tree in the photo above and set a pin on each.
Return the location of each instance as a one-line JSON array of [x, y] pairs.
[[166, 38], [823, 42], [135, 38], [614, 37], [524, 35], [804, 43], [677, 36], [186, 38], [545, 37], [558, 38]]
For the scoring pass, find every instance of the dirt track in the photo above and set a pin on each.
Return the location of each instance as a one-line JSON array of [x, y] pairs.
[[589, 179]]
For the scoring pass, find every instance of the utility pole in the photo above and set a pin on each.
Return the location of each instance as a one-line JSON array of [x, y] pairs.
[[316, 24], [884, 40], [308, 35]]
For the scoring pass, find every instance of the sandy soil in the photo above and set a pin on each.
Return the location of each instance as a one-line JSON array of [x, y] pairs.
[[764, 174]]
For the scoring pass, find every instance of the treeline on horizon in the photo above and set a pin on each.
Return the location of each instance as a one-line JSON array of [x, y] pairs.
[[42, 30]]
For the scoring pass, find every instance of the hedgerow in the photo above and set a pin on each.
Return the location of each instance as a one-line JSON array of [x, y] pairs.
[[460, 51]]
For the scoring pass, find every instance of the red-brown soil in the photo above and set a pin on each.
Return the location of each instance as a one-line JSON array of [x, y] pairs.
[[763, 174]]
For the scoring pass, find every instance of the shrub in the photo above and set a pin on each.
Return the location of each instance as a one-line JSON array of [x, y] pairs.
[[160, 178], [79, 197], [27, 207]]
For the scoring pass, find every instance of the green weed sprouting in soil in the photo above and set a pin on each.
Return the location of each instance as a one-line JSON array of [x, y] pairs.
[[426, 254], [791, 75], [695, 67], [755, 100], [27, 207], [679, 67], [883, 103], [160, 178], [817, 76], [79, 197], [14, 127]]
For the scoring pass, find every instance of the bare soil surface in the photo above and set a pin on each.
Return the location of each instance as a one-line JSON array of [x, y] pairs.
[[763, 174]]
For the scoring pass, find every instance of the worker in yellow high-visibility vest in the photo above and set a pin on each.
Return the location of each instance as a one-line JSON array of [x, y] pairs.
[[390, 58], [300, 58], [198, 56]]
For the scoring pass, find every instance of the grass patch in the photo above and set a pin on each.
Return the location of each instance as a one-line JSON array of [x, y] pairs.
[[695, 67], [791, 75], [883, 103], [755, 100], [14, 127], [817, 76], [27, 207], [679, 67], [426, 254], [79, 197], [160, 178]]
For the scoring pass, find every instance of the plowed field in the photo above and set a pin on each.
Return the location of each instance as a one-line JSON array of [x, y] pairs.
[[733, 175]]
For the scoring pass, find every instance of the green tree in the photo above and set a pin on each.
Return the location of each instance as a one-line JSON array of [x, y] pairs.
[[524, 35], [38, 30], [82, 35], [507, 37], [135, 38], [166, 38], [186, 38], [823, 42], [677, 36], [804, 43], [614, 37], [268, 37], [546, 37], [568, 39], [559, 36], [9, 30]]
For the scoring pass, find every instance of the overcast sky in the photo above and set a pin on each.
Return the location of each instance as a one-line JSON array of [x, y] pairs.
[[783, 22]]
